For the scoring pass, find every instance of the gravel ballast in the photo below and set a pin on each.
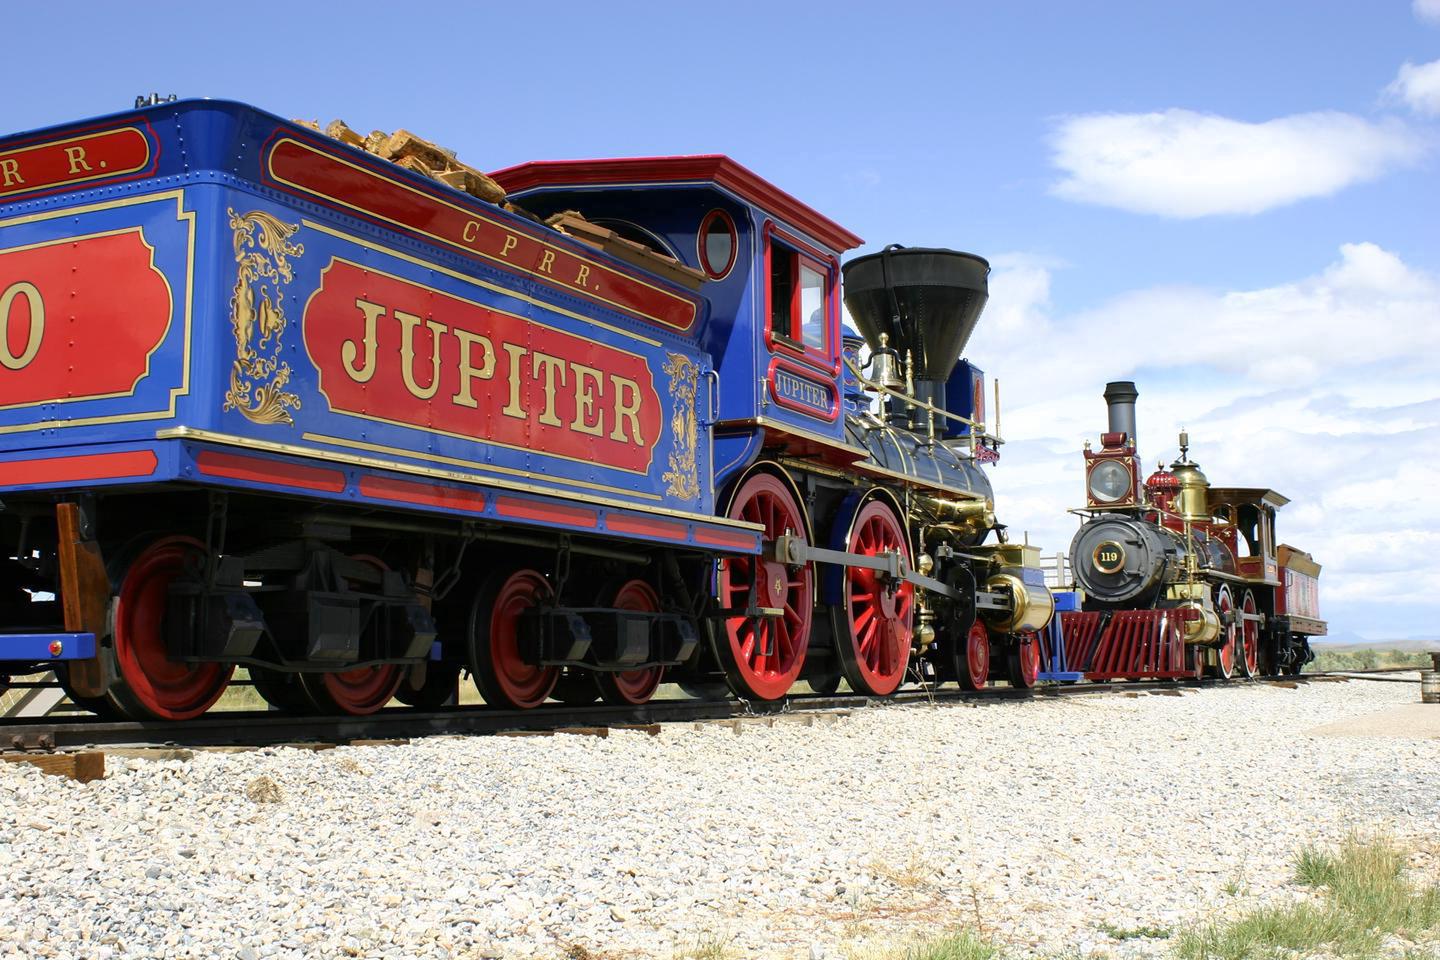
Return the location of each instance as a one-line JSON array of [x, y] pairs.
[[1042, 824]]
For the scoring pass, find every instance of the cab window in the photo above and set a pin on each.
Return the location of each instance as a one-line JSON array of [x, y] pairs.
[[799, 299]]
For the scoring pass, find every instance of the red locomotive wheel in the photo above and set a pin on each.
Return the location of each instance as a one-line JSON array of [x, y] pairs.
[[357, 692], [1249, 642], [632, 687], [976, 672], [1225, 656], [502, 676], [762, 656], [150, 685], [1023, 661], [875, 624]]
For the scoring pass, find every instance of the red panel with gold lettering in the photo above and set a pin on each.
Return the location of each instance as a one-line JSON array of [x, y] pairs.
[[80, 160], [79, 318], [402, 353], [497, 241]]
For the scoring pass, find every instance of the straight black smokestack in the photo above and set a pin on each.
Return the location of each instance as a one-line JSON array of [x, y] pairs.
[[1120, 398]]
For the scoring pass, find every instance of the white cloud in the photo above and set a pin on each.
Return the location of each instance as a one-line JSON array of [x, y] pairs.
[[1178, 163], [1428, 9], [1326, 388], [1418, 87]]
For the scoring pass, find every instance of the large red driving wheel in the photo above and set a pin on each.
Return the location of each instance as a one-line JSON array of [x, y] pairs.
[[762, 656], [502, 676], [1249, 642], [357, 692], [1023, 661], [148, 683], [632, 687], [974, 671], [1224, 666], [875, 622]]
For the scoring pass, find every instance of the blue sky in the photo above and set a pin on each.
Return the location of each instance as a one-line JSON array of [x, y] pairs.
[[1235, 204]]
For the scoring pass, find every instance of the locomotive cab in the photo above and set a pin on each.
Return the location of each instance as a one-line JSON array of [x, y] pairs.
[[834, 460], [771, 270]]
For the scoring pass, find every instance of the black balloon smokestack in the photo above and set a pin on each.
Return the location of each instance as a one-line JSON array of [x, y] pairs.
[[1120, 396], [927, 301]]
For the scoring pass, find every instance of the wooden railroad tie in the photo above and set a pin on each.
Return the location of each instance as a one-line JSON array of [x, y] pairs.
[[83, 767]]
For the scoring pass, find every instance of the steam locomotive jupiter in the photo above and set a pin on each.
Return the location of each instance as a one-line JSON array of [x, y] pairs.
[[1180, 578], [359, 418]]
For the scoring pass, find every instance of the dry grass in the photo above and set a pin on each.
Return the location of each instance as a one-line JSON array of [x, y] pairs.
[[1363, 897], [956, 945], [709, 947], [264, 789]]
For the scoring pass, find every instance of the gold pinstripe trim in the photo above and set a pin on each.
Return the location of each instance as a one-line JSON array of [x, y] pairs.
[[209, 436]]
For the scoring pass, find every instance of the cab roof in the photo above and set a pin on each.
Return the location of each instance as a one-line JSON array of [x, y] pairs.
[[1239, 495], [708, 169]]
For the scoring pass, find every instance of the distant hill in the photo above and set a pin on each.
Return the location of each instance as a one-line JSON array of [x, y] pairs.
[[1343, 642]]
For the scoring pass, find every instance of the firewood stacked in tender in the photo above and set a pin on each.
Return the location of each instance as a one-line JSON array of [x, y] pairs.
[[572, 223], [416, 154]]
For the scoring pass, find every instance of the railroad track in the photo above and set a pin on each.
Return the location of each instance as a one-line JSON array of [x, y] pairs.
[[260, 728]]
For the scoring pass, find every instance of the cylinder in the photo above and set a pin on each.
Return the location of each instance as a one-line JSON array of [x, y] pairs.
[[1031, 605], [1429, 686], [1120, 396]]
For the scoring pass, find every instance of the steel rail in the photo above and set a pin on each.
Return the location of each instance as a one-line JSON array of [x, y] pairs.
[[263, 728]]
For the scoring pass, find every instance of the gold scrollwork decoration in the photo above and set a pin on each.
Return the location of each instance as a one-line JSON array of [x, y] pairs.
[[257, 313], [681, 479]]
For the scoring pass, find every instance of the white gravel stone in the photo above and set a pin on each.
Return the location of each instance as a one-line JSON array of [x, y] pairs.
[[1041, 824]]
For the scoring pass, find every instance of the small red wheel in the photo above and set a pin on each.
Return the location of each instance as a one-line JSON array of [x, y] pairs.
[[1249, 640], [502, 676], [1023, 661], [1224, 666], [974, 672], [357, 692], [875, 623], [149, 684], [762, 656], [631, 688]]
